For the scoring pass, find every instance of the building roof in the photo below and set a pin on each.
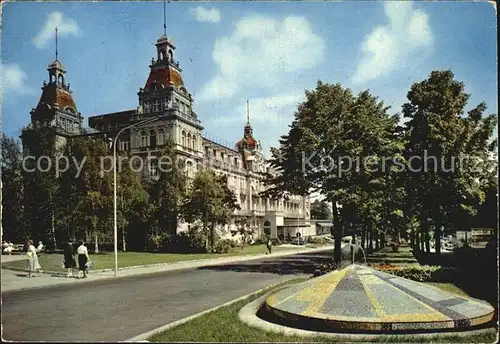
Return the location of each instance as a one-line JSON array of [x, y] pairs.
[[53, 94], [164, 76]]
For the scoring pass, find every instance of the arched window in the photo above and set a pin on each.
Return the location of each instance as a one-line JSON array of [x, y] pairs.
[[60, 79], [183, 138], [194, 143], [170, 55], [189, 140], [162, 55], [144, 139], [267, 228], [152, 138], [160, 137]]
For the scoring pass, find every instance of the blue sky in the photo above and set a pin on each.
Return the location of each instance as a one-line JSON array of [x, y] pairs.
[[268, 53]]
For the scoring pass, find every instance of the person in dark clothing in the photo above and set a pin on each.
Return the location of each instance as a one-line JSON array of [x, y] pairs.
[[269, 245], [69, 258]]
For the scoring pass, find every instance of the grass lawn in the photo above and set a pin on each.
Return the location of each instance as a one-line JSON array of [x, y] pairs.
[[223, 325], [52, 262]]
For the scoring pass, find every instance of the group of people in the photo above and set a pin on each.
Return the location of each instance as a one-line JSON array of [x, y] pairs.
[[8, 247], [70, 259]]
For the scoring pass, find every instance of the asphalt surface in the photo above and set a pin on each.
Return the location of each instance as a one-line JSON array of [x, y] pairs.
[[114, 310]]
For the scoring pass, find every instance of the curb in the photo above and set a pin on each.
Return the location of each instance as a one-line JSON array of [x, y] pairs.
[[248, 316], [214, 261], [144, 336]]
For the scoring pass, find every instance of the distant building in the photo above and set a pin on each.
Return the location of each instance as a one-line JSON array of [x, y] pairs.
[[165, 95]]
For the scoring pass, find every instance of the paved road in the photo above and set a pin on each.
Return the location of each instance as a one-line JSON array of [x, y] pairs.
[[113, 310]]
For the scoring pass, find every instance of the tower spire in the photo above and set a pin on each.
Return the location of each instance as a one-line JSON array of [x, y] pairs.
[[164, 18], [248, 112], [56, 42]]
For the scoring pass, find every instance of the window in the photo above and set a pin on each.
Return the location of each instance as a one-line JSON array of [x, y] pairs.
[[165, 103], [153, 169], [147, 106], [194, 143], [160, 137], [156, 105], [189, 140], [215, 154], [144, 139], [236, 162], [183, 138], [124, 145]]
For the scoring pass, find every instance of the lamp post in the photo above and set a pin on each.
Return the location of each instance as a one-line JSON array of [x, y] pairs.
[[115, 225]]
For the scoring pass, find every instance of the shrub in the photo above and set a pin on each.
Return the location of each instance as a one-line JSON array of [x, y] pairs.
[[184, 242], [223, 246], [420, 273]]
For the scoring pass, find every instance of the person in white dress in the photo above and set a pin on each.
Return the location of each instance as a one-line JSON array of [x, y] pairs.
[[32, 259], [83, 258]]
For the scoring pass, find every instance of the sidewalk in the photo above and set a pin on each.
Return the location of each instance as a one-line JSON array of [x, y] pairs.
[[17, 280]]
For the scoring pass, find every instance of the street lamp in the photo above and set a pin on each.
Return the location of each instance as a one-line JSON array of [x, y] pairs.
[[115, 225]]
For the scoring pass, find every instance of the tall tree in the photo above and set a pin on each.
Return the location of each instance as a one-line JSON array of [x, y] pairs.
[[12, 190], [210, 201], [168, 193], [40, 185], [444, 183], [332, 130]]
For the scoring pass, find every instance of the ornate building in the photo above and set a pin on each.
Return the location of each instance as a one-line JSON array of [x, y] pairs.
[[165, 97]]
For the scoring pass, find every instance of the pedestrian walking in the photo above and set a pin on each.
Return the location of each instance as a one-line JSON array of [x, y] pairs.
[[32, 259], [83, 258], [269, 245], [69, 259]]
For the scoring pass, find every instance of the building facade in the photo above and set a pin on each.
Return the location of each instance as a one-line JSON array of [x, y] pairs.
[[165, 98]]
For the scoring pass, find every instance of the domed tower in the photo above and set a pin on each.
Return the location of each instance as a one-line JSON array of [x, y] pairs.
[[165, 95], [249, 147], [56, 109]]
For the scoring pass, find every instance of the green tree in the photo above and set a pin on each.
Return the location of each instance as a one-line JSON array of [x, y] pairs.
[[332, 129], [40, 185], [12, 190], [320, 210], [133, 202], [210, 201], [445, 187], [168, 194]]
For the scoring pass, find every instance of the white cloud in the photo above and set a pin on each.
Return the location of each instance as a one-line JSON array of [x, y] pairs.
[[65, 27], [387, 48], [261, 52], [14, 80], [203, 14]]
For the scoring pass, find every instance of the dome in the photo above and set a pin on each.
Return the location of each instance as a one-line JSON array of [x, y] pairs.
[[56, 64], [164, 76], [360, 298]]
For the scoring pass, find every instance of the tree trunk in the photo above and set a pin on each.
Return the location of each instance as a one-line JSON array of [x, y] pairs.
[[54, 242], [412, 238], [438, 239], [337, 233], [124, 247], [87, 235], [377, 244], [212, 229], [363, 237], [371, 237], [427, 237], [96, 243]]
